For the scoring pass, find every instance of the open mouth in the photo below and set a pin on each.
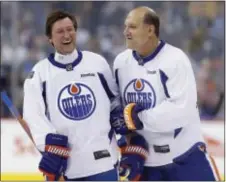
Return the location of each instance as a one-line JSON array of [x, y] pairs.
[[67, 43]]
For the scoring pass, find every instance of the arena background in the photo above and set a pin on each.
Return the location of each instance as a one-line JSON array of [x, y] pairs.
[[196, 27]]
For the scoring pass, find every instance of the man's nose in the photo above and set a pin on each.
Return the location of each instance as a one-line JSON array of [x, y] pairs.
[[66, 34], [126, 32]]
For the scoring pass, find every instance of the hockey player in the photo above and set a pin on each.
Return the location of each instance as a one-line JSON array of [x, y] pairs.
[[68, 98], [158, 91]]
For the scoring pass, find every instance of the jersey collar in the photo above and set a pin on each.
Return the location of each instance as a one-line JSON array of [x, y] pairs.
[[68, 66], [142, 61]]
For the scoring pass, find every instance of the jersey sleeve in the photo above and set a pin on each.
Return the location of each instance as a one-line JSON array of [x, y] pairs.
[[179, 107], [118, 63], [111, 86], [34, 109]]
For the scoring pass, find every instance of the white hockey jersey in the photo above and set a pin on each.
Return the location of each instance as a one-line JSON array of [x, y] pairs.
[[164, 84], [71, 95]]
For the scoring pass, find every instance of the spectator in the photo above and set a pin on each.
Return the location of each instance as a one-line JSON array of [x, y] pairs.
[[195, 26]]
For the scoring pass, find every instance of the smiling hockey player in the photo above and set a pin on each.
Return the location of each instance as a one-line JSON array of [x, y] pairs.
[[158, 91], [67, 102]]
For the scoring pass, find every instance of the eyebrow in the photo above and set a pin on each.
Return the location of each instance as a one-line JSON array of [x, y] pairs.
[[69, 26], [130, 23]]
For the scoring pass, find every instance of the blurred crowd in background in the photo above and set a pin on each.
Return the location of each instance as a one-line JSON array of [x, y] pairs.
[[195, 27]]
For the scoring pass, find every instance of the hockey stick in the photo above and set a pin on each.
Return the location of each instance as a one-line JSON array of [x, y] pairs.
[[14, 111]]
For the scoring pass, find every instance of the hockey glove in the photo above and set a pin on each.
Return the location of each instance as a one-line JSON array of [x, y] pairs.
[[133, 157], [54, 159], [117, 121], [131, 116]]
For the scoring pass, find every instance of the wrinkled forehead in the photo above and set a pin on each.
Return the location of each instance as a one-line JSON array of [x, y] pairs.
[[134, 17]]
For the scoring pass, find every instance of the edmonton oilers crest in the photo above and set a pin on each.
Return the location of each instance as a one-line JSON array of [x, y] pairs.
[[76, 101], [141, 92]]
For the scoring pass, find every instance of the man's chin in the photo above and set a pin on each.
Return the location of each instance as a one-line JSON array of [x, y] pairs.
[[129, 46], [69, 49]]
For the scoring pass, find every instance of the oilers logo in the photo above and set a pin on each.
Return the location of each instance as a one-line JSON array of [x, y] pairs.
[[76, 101], [141, 92]]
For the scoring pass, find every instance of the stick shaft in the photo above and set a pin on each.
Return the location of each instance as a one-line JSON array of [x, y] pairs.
[[14, 111]]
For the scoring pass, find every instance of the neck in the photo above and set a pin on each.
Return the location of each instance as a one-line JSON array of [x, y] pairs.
[[68, 58], [148, 48]]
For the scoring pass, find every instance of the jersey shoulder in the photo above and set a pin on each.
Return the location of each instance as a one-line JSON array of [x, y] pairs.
[[95, 60], [92, 55], [174, 53], [40, 65], [39, 69], [173, 59], [122, 58]]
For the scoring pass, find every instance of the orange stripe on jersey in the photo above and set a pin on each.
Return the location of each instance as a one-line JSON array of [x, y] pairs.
[[215, 168]]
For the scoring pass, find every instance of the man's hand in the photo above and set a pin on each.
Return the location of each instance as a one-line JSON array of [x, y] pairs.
[[133, 157], [54, 160], [131, 116], [117, 121]]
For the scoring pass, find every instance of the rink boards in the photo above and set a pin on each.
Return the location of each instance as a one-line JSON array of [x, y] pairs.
[[19, 158]]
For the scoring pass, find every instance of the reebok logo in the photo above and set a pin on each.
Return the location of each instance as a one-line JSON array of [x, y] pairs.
[[87, 74], [151, 72]]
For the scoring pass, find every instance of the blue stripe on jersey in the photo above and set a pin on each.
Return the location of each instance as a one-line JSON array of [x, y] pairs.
[[106, 87], [164, 78], [44, 93], [189, 151], [116, 76], [110, 134], [151, 56], [177, 131], [44, 99], [64, 66]]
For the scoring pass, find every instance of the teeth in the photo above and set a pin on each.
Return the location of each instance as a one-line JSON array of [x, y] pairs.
[[66, 43]]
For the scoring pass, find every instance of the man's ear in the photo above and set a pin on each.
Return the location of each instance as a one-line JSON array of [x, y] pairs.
[[50, 41], [151, 30]]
